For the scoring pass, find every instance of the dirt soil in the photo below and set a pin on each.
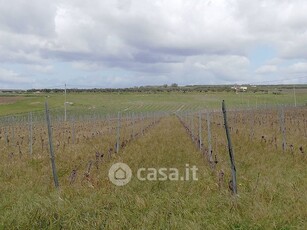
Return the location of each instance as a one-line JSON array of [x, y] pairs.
[[9, 100]]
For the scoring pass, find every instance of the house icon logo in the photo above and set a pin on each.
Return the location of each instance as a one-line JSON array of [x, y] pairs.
[[120, 174]]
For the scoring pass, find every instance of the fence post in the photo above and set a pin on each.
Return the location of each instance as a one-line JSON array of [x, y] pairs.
[[252, 124], [142, 120], [282, 127], [108, 123], [133, 124], [54, 173], [209, 140], [192, 126], [199, 132], [305, 128], [187, 117], [233, 182], [13, 134], [6, 135], [30, 133], [118, 132], [73, 131]]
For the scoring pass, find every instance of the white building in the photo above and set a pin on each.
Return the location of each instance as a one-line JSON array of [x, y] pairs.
[[243, 88], [239, 88]]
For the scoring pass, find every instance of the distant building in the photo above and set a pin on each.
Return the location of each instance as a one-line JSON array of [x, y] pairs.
[[243, 88], [238, 88]]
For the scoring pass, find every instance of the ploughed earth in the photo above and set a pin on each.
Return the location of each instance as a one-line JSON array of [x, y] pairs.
[[9, 100]]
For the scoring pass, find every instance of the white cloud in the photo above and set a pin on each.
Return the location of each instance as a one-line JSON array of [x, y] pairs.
[[266, 69], [227, 67], [159, 40], [41, 68], [11, 77], [35, 17], [300, 67]]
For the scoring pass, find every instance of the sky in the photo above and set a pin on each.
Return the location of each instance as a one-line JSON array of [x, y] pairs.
[[127, 43]]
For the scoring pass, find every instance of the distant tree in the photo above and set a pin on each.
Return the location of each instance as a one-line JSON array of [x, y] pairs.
[[174, 85]]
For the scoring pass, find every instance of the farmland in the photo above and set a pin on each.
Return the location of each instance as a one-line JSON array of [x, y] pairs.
[[143, 102], [168, 130]]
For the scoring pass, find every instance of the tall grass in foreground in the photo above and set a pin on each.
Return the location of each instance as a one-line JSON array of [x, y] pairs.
[[271, 185]]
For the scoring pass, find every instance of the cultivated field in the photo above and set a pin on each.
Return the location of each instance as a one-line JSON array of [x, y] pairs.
[[168, 130], [143, 102]]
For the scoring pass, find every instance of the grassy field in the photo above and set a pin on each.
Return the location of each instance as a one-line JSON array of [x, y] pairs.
[[272, 183], [143, 102], [272, 188]]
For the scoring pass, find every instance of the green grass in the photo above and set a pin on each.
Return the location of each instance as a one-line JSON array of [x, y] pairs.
[[272, 187], [143, 102]]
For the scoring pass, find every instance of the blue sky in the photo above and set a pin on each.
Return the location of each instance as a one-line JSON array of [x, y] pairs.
[[260, 55], [126, 43]]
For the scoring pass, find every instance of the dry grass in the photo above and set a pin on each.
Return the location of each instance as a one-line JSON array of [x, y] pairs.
[[9, 100], [272, 186]]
